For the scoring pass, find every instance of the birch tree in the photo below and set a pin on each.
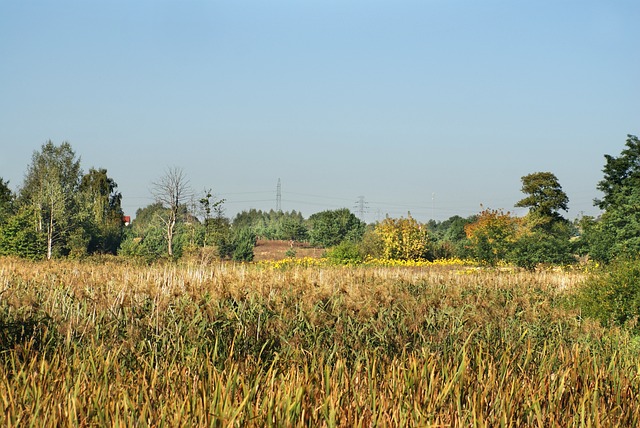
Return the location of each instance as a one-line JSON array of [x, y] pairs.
[[50, 187]]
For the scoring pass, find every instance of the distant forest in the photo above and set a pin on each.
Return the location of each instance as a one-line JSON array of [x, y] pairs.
[[61, 211]]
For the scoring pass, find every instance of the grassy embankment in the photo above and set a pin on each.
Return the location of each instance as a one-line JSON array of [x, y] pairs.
[[107, 344]]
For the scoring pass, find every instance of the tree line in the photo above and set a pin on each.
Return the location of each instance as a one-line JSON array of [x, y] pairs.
[[61, 211]]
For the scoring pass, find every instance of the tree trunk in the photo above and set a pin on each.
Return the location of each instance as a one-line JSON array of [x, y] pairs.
[[50, 235], [170, 226]]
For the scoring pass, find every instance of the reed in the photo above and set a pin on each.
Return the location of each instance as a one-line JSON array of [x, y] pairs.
[[114, 344]]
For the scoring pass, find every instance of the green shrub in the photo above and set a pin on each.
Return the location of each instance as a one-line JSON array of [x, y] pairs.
[[329, 228], [539, 248], [244, 242], [17, 238], [345, 253], [613, 296], [371, 244]]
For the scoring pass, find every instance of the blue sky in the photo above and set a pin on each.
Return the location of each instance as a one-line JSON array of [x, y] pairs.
[[432, 106]]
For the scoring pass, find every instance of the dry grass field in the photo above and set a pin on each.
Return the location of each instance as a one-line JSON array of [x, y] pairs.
[[266, 250], [114, 344]]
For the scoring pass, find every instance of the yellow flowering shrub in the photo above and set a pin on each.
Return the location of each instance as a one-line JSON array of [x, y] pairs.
[[419, 263], [293, 262], [305, 262]]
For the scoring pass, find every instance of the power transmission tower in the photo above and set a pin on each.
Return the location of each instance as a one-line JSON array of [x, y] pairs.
[[361, 207], [279, 197]]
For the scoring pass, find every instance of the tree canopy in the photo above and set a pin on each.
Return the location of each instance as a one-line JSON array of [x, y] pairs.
[[6, 200], [621, 176], [492, 235], [59, 211], [50, 188], [102, 202], [329, 228], [545, 195], [617, 232]]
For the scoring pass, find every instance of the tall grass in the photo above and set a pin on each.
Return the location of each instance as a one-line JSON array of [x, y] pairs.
[[111, 344]]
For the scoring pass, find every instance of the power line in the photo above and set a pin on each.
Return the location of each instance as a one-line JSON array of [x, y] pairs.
[[231, 201], [248, 193], [318, 196]]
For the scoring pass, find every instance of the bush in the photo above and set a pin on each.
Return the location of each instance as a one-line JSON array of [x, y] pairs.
[[613, 296], [403, 239], [329, 228], [345, 253], [371, 244], [244, 242], [531, 250], [17, 238], [492, 235]]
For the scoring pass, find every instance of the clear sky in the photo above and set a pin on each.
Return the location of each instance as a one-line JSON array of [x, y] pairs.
[[430, 106]]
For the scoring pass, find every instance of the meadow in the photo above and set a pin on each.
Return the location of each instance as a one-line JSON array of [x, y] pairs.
[[112, 343]]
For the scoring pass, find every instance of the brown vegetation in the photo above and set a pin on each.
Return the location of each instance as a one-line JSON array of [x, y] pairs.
[[267, 250], [103, 344]]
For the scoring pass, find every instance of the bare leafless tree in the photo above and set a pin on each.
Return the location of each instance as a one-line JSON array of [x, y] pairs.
[[172, 190]]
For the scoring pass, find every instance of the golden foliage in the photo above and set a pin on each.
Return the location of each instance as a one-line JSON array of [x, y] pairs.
[[494, 225], [403, 238], [492, 233]]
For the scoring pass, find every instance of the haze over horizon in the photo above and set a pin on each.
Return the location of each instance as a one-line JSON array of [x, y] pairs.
[[431, 107]]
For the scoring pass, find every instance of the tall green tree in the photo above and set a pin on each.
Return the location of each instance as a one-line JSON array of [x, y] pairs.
[[50, 188], [252, 218], [545, 197], [617, 232], [6, 201], [292, 227], [103, 202], [621, 176], [545, 234]]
